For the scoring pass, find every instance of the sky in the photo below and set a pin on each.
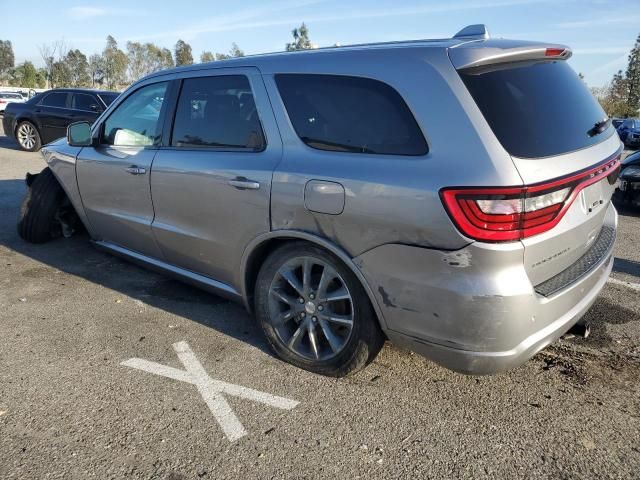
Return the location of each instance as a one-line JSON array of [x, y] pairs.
[[600, 32]]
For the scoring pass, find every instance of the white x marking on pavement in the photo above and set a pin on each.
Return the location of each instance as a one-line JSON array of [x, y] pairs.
[[211, 390]]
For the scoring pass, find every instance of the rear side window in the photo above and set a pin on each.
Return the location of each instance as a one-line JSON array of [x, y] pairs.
[[217, 112], [83, 101], [536, 109], [350, 114], [57, 99]]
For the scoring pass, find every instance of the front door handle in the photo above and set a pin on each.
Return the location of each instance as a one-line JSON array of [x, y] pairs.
[[244, 184], [135, 170]]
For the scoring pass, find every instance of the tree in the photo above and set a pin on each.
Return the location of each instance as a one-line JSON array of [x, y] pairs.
[[78, 69], [207, 56], [183, 53], [7, 59], [24, 75], [234, 52], [115, 64], [136, 56], [633, 78], [300, 39], [96, 69], [52, 53], [167, 59], [60, 75], [147, 58]]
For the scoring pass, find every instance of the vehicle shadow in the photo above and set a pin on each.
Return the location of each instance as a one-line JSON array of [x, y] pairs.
[[76, 256], [630, 267], [6, 142]]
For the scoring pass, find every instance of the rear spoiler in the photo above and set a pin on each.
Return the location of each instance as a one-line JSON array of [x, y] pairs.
[[478, 50]]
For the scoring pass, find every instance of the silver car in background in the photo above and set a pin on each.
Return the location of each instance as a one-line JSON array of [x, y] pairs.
[[452, 196]]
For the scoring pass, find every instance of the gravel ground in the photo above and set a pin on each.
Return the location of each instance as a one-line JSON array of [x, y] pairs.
[[69, 315]]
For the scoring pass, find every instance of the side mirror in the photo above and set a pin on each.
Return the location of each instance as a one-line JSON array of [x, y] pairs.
[[79, 134]]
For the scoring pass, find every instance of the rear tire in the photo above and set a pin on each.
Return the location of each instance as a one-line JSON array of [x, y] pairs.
[[325, 326], [28, 137], [37, 222]]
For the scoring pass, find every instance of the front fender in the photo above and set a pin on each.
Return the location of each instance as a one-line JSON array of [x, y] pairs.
[[61, 159]]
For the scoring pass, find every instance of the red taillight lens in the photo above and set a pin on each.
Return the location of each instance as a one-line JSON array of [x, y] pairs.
[[511, 213], [3, 101], [554, 52]]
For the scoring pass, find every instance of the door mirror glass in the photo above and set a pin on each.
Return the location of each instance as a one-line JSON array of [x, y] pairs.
[[79, 134]]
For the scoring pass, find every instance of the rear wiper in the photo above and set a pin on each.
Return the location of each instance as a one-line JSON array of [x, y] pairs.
[[599, 127]]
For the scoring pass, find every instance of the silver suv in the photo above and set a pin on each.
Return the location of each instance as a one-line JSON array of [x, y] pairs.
[[452, 196]]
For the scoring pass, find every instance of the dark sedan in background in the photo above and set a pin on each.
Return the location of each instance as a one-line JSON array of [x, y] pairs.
[[45, 117], [629, 132]]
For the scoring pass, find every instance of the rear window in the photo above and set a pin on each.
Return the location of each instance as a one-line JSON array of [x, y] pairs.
[[350, 114], [536, 109]]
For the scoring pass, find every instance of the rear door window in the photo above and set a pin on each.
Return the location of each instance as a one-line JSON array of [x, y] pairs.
[[217, 112], [350, 114], [84, 101], [536, 109], [56, 99]]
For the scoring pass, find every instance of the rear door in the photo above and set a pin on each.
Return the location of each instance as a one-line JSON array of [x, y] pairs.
[[54, 115], [86, 107], [547, 120], [211, 180]]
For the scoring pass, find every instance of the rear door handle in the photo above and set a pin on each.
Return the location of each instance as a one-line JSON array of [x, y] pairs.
[[135, 170], [244, 184]]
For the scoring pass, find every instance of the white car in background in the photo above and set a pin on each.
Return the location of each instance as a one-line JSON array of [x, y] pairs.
[[9, 97]]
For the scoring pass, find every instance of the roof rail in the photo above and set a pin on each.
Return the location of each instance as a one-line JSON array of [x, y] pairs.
[[473, 32]]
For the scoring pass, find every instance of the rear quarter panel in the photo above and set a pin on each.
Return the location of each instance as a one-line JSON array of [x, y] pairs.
[[389, 199]]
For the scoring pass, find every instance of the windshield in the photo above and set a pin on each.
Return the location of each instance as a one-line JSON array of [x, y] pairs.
[[537, 109]]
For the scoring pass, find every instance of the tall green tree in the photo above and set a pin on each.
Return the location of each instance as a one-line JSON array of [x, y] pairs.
[[183, 53], [96, 69], [235, 51], [207, 56], [633, 78], [7, 60], [301, 39], [60, 74], [115, 64], [147, 58], [24, 75], [78, 69]]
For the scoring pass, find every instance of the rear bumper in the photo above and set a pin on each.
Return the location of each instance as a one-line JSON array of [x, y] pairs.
[[475, 310]]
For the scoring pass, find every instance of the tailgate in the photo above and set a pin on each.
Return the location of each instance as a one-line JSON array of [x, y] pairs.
[[559, 138]]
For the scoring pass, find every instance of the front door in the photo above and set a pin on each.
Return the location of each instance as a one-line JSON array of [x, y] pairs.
[[211, 182], [114, 176]]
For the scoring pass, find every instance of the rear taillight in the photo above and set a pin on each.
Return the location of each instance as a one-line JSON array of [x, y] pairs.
[[504, 214], [3, 101]]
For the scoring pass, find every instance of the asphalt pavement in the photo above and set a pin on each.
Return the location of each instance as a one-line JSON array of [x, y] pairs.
[[109, 371]]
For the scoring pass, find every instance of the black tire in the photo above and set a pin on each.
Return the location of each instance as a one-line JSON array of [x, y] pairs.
[[37, 222], [28, 136], [365, 339]]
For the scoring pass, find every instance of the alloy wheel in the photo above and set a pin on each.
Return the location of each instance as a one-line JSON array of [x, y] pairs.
[[311, 308], [27, 136]]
